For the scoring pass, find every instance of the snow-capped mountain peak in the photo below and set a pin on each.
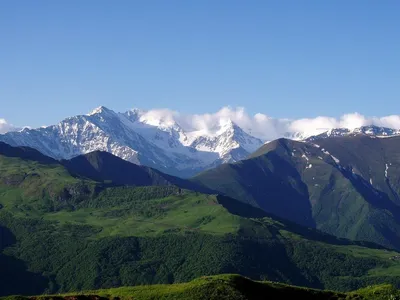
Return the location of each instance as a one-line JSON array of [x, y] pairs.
[[227, 137], [369, 130], [152, 138], [101, 110], [225, 125], [377, 131]]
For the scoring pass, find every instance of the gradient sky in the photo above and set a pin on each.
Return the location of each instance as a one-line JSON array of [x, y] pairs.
[[289, 59]]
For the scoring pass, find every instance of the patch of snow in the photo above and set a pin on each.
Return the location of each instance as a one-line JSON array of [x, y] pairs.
[[309, 166], [386, 170], [335, 159], [305, 157], [326, 152], [385, 136]]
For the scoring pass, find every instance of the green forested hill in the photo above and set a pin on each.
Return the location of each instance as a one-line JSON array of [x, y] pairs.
[[61, 233], [345, 186]]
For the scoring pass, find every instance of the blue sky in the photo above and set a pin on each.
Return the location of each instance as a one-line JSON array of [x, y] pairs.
[[286, 59]]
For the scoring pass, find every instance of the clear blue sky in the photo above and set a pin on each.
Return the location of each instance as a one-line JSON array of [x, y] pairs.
[[283, 58]]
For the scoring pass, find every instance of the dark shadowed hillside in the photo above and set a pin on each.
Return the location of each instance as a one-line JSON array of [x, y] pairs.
[[346, 186]]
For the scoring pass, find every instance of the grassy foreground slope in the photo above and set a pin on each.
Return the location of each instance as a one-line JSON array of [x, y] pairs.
[[232, 287], [61, 233]]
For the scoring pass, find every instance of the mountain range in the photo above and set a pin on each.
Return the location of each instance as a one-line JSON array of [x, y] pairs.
[[344, 182], [100, 201], [156, 141]]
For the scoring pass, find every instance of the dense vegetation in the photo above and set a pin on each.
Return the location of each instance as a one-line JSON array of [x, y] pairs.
[[61, 233], [232, 287], [351, 191]]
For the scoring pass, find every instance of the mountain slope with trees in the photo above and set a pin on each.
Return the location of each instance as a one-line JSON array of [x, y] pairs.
[[67, 233]]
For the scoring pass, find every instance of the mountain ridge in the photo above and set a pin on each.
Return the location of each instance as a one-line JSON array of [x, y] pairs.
[[348, 186], [370, 130], [104, 167], [158, 141]]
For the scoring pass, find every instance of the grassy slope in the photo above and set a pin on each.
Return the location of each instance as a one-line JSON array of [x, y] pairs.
[[231, 287], [117, 215], [30, 186], [72, 236]]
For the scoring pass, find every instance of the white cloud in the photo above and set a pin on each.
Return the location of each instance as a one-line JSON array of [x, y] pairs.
[[392, 121], [312, 126], [6, 127], [157, 116], [353, 120], [264, 126]]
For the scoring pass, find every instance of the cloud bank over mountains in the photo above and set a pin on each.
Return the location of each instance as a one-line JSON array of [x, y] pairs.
[[6, 127], [259, 125], [263, 126]]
